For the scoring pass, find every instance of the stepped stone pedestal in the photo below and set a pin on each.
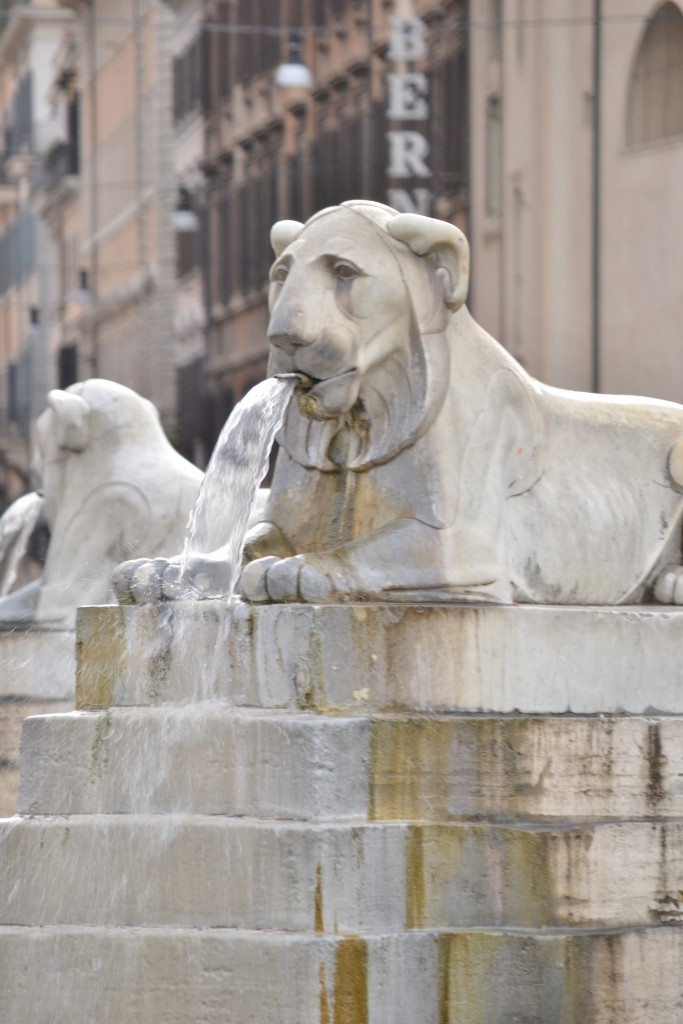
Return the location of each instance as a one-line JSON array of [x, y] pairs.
[[353, 814]]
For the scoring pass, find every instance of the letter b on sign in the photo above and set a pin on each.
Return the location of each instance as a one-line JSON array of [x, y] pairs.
[[407, 41]]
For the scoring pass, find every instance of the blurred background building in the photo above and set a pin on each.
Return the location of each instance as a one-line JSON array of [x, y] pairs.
[[147, 147]]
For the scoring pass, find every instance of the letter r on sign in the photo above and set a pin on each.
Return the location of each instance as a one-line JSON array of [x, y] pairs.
[[407, 154]]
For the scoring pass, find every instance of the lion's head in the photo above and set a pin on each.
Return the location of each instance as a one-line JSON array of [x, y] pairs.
[[360, 299], [83, 419]]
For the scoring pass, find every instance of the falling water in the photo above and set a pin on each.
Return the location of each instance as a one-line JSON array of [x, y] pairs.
[[16, 526], [239, 462]]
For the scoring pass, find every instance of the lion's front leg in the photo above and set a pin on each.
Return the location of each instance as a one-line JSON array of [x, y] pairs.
[[407, 555]]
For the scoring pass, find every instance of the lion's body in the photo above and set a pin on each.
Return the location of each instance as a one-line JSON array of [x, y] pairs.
[[438, 465]]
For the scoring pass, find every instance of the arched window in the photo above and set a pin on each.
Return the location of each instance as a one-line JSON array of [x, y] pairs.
[[655, 108]]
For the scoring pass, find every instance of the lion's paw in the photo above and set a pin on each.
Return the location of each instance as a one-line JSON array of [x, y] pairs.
[[669, 586], [140, 581], [300, 578], [146, 581]]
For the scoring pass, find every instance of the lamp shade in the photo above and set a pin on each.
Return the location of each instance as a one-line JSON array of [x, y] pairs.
[[293, 76], [184, 219]]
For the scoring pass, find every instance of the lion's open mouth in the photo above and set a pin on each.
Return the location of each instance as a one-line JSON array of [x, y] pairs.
[[310, 383], [304, 380], [333, 378], [324, 397]]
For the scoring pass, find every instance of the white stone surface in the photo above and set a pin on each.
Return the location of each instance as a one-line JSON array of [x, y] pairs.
[[156, 975], [377, 656], [37, 662], [211, 871], [198, 758], [213, 759]]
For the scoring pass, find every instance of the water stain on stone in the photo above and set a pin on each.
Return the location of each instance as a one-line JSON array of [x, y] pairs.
[[324, 1001], [415, 881], [319, 922], [101, 654], [351, 982], [655, 764]]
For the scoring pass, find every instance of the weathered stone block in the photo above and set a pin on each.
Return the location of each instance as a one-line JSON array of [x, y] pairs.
[[209, 758], [62, 975], [211, 871], [541, 660]]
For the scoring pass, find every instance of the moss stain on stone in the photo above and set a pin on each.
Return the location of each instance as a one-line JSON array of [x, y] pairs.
[[324, 1001], [99, 754], [529, 902], [410, 766], [392, 767], [319, 922], [351, 982], [444, 980], [656, 762], [576, 992], [101, 656], [415, 877], [469, 962], [308, 684]]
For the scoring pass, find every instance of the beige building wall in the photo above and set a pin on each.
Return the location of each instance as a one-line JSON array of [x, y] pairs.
[[642, 226], [532, 213], [29, 128], [189, 321], [128, 195]]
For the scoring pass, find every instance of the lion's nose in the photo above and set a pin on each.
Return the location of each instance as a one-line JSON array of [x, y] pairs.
[[286, 341]]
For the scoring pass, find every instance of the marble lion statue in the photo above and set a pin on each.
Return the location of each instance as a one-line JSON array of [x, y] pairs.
[[113, 487], [419, 461], [425, 462]]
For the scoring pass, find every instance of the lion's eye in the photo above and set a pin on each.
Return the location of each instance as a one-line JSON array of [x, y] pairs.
[[280, 274], [344, 271]]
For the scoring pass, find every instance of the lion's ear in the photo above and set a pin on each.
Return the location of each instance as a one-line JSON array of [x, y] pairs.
[[283, 234], [446, 243], [72, 427]]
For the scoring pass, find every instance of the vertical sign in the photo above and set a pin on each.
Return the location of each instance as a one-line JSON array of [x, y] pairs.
[[408, 104]]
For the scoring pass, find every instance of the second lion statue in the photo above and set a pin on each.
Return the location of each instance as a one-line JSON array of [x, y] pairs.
[[421, 461]]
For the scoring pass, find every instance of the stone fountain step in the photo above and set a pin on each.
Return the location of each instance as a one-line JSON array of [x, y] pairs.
[[242, 873], [184, 976], [213, 759], [13, 712], [364, 657], [37, 662]]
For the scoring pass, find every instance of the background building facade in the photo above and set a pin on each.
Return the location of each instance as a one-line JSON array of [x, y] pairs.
[[577, 189], [155, 144]]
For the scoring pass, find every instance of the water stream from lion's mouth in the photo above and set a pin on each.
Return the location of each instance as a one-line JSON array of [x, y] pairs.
[[239, 462]]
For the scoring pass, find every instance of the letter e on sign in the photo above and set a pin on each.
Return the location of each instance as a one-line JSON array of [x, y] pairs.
[[408, 94]]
